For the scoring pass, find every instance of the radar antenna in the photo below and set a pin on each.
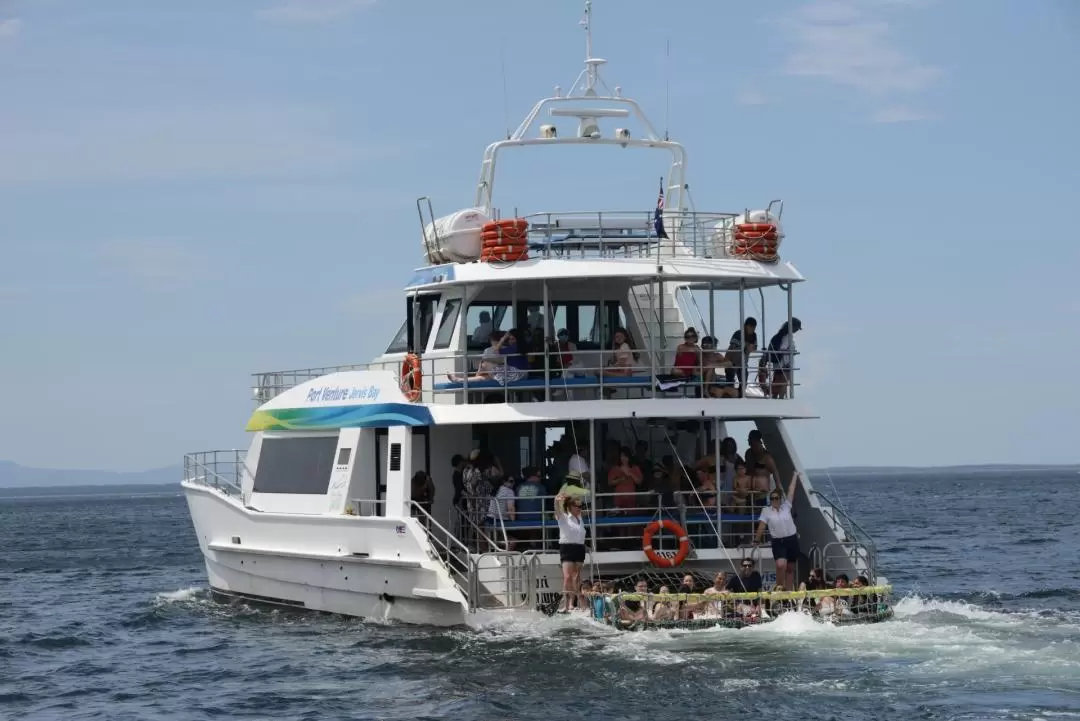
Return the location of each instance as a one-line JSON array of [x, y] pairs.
[[589, 79]]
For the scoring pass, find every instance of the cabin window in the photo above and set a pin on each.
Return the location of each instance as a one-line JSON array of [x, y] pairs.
[[424, 307], [484, 318], [448, 324], [296, 465]]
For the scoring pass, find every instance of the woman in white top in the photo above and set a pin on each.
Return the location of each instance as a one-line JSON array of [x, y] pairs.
[[571, 548], [785, 539], [623, 355]]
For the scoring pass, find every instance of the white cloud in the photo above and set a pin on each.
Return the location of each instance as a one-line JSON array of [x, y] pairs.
[[10, 27], [313, 11], [169, 143], [851, 44]]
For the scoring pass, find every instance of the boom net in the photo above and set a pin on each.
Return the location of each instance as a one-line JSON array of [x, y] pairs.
[[641, 611]]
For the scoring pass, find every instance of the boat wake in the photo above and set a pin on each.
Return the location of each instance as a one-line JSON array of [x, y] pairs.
[[926, 636]]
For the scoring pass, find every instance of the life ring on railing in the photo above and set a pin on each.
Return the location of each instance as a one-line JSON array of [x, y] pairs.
[[412, 378], [656, 559]]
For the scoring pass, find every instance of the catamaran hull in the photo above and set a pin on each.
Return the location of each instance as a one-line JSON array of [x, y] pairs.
[[369, 567]]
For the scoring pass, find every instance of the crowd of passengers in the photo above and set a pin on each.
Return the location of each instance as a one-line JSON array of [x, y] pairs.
[[630, 484], [604, 602], [516, 355]]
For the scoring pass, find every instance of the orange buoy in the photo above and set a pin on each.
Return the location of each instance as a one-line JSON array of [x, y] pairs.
[[656, 559], [411, 377]]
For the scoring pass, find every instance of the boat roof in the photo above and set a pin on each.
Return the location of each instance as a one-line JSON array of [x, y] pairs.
[[722, 272]]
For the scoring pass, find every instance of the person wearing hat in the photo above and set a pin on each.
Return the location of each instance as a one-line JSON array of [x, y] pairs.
[[781, 356], [574, 487]]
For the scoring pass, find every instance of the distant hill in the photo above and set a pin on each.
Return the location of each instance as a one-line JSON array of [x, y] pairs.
[[985, 468], [12, 475]]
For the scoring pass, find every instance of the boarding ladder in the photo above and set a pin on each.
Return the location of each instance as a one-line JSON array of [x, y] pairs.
[[497, 579]]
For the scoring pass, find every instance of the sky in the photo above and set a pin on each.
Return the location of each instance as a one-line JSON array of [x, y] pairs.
[[193, 192]]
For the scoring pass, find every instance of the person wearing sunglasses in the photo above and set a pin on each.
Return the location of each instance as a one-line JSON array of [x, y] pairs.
[[571, 548], [785, 538]]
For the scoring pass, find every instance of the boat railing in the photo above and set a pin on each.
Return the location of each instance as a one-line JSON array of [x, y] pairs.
[[445, 547], [562, 375], [504, 579], [631, 234], [223, 469], [857, 544], [274, 383], [598, 375], [617, 523]]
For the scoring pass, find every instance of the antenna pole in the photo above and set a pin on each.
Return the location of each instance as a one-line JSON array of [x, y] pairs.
[[667, 89], [586, 22]]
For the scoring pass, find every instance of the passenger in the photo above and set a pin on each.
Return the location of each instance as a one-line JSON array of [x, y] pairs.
[[502, 510], [529, 506], [571, 547], [660, 484], [743, 343], [423, 494], [740, 503], [815, 582], [579, 463], [478, 492], [633, 611], [664, 610], [719, 587], [780, 356], [866, 603], [729, 454], [458, 463], [489, 361], [785, 537], [760, 466], [687, 356], [516, 365], [625, 480], [748, 580], [623, 355], [841, 604], [600, 608], [713, 363], [641, 458], [482, 333], [566, 347]]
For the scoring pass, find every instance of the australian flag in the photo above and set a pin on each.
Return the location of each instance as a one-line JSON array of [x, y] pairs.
[[658, 216]]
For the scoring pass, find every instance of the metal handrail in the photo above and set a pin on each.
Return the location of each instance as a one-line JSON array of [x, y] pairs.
[[854, 529], [452, 546], [207, 462]]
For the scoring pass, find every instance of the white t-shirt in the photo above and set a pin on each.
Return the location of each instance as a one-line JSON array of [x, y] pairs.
[[499, 508], [579, 465], [780, 522], [571, 530]]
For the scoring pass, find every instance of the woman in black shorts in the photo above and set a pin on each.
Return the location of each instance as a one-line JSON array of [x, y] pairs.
[[785, 539], [571, 548]]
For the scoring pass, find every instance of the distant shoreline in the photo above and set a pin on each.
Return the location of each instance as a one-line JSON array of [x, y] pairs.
[[165, 486]]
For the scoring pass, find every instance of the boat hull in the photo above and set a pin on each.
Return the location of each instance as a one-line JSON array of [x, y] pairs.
[[368, 567]]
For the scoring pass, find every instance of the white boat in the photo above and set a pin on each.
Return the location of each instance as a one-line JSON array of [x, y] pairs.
[[319, 511]]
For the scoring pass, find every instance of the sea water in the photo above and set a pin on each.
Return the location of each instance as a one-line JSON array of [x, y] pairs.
[[104, 614]]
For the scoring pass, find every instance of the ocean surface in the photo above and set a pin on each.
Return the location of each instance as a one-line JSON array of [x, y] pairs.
[[104, 614]]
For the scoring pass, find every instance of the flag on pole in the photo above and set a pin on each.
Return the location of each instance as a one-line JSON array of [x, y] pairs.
[[658, 216]]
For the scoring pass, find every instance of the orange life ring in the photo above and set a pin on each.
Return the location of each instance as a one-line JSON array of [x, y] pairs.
[[755, 227], [656, 559], [510, 224], [489, 237], [757, 236], [504, 250], [411, 377]]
